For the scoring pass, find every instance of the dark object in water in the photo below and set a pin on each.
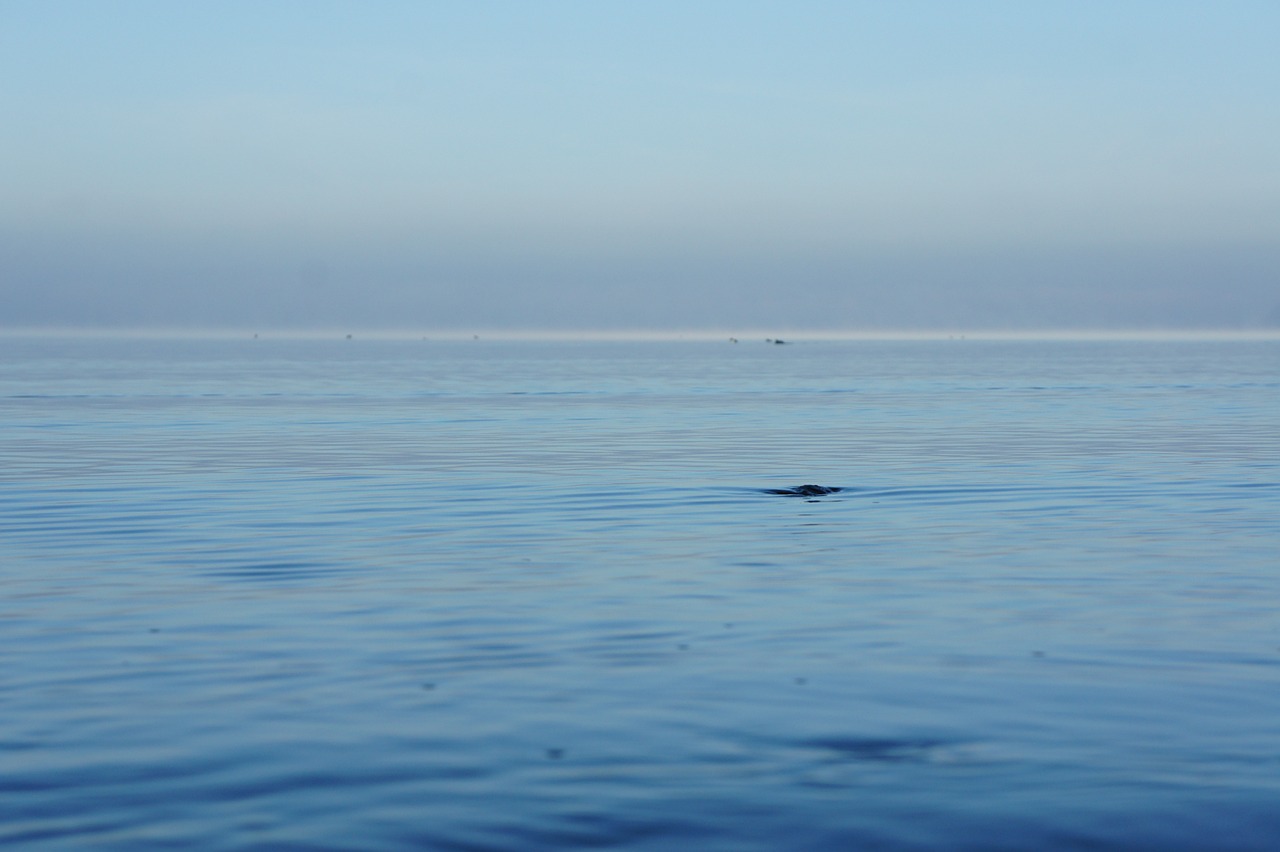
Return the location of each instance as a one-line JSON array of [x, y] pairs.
[[804, 491]]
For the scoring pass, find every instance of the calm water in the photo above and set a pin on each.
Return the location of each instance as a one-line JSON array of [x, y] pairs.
[[484, 595]]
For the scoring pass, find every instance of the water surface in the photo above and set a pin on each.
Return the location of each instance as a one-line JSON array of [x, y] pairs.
[[494, 595]]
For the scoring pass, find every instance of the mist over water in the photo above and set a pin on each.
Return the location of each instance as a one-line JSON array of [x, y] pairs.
[[489, 594], [808, 164]]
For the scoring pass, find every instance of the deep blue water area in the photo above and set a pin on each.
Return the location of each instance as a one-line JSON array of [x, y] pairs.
[[476, 595]]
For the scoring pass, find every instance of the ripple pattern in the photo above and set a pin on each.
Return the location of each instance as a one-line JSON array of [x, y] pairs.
[[535, 596]]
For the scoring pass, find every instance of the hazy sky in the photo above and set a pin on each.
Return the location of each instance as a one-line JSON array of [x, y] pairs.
[[598, 164]]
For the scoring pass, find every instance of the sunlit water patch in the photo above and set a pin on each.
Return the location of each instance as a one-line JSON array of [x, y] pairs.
[[476, 595]]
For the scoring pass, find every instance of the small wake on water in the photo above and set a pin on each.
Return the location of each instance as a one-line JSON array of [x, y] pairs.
[[804, 491]]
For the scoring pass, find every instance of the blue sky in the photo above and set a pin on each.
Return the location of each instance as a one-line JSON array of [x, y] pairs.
[[593, 164]]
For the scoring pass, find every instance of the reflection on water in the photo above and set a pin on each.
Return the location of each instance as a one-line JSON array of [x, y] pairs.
[[509, 596]]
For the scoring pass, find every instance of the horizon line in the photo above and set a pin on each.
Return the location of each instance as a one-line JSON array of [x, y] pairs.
[[748, 335]]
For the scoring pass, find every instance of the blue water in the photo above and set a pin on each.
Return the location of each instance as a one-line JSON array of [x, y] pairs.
[[495, 595]]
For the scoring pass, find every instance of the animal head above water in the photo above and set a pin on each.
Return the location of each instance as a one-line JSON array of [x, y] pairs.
[[804, 490]]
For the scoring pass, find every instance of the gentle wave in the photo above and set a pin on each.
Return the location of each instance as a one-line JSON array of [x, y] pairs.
[[526, 597]]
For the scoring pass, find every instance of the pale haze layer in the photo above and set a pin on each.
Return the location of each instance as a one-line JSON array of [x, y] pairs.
[[663, 165]]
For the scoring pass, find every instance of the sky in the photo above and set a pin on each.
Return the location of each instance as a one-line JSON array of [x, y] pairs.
[[595, 164]]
